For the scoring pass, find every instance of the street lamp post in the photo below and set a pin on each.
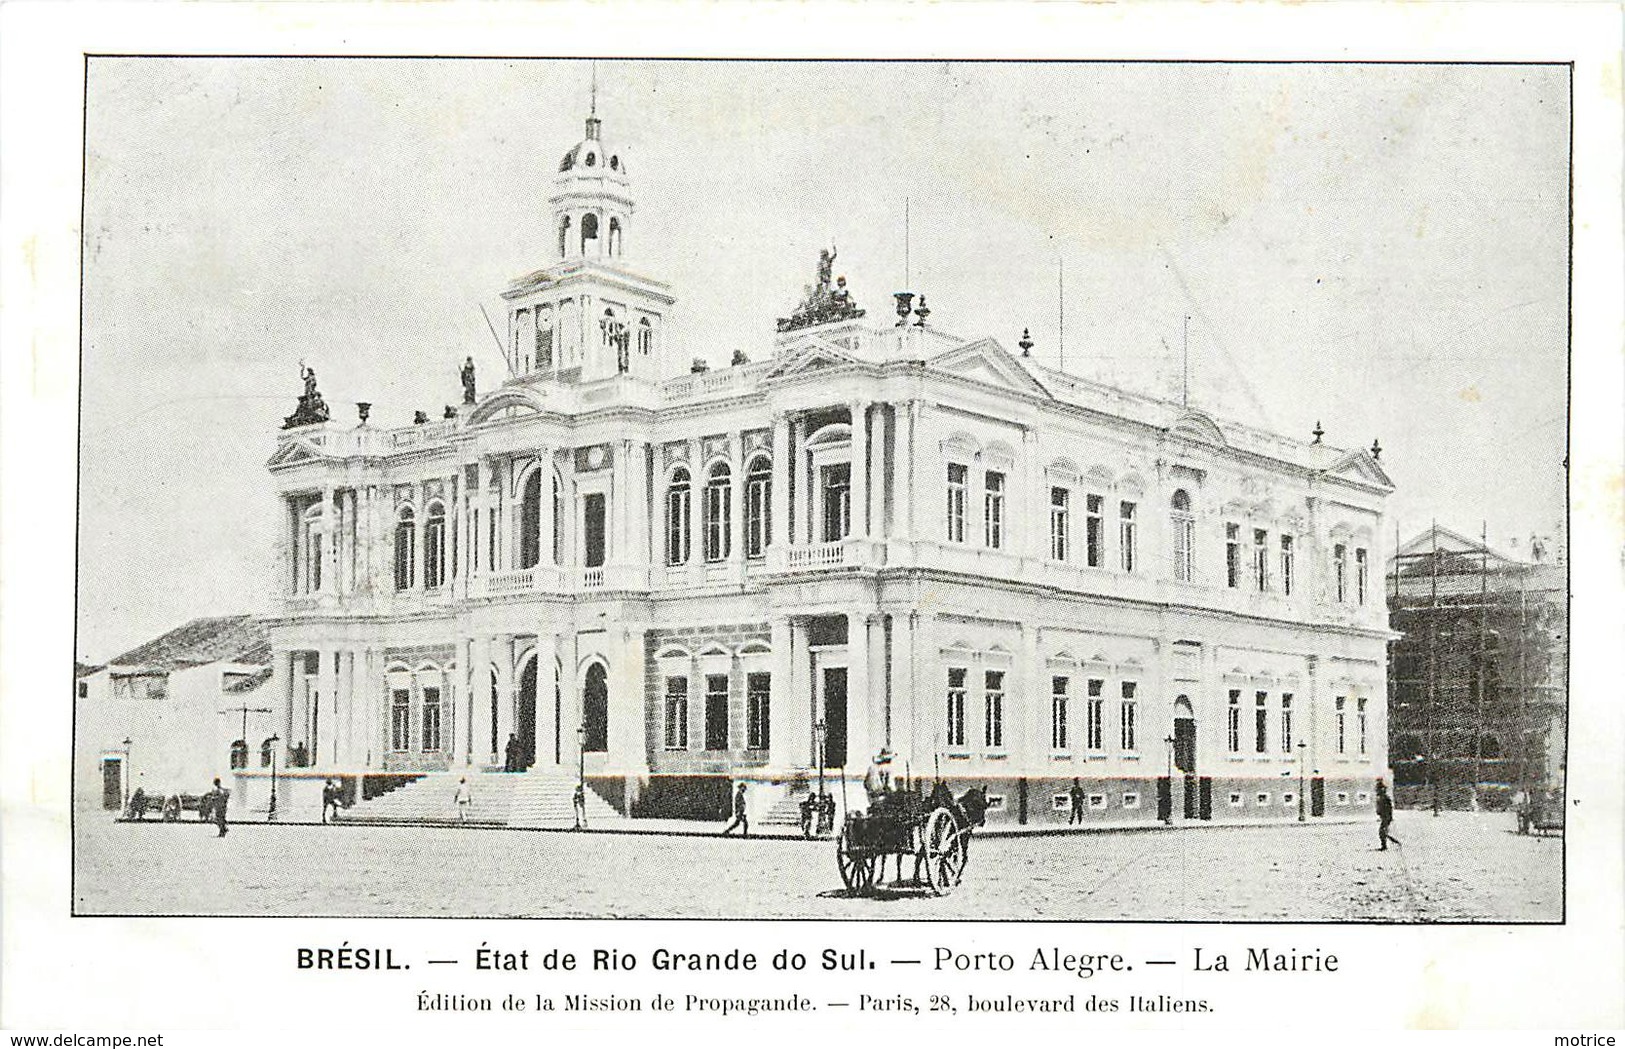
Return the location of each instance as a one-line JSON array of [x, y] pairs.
[[818, 745], [581, 756], [1169, 818], [270, 813], [1303, 750], [124, 802]]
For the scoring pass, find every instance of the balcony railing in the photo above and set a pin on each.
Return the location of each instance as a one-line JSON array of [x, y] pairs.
[[510, 581], [592, 578], [818, 555]]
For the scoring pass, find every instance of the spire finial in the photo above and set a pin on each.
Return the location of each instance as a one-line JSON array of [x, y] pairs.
[[1376, 449], [1026, 342], [1318, 432]]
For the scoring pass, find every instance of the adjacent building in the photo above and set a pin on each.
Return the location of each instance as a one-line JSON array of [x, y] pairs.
[[868, 533], [1478, 678]]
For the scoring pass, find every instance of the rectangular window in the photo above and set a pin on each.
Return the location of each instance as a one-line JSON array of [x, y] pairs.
[[716, 712], [677, 507], [1128, 718], [718, 518], [1340, 571], [431, 720], [956, 706], [995, 709], [993, 510], [1286, 565], [677, 713], [1097, 801], [406, 552], [1261, 559], [1184, 548], [837, 502], [1232, 556], [1131, 799], [1233, 736], [1261, 722], [956, 503], [434, 551], [1094, 536], [400, 719], [1360, 577], [1286, 722], [1127, 535], [1095, 725], [1058, 686], [1360, 723], [592, 529], [758, 710], [1342, 725], [1059, 525]]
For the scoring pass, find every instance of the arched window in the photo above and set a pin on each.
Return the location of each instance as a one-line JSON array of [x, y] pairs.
[[677, 506], [530, 521], [239, 753], [406, 539], [310, 570], [614, 236], [595, 710], [1184, 530], [718, 512], [434, 547], [589, 231], [564, 235], [758, 506], [646, 337]]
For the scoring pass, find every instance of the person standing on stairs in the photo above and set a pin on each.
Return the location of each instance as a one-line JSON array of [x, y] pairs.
[[464, 798]]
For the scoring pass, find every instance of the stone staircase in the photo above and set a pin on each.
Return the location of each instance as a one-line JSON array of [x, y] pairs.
[[530, 799], [786, 809]]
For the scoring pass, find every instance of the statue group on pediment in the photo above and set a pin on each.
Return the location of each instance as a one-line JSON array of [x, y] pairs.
[[824, 301], [312, 408]]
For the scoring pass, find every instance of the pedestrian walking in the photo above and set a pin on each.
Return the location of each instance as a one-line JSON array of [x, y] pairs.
[[464, 798], [1077, 802], [330, 800], [1385, 817], [579, 800], [511, 754], [741, 816], [220, 794]]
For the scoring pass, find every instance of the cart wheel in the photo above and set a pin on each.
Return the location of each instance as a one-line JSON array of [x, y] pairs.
[[854, 869], [940, 852]]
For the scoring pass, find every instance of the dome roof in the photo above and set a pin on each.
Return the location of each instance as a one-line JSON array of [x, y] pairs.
[[591, 156]]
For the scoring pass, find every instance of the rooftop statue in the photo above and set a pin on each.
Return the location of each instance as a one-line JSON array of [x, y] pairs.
[[312, 409], [823, 302], [468, 381]]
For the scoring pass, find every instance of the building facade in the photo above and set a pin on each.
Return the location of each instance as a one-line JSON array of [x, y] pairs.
[[876, 534]]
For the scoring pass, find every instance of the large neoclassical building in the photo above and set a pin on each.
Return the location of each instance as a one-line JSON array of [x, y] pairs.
[[872, 533]]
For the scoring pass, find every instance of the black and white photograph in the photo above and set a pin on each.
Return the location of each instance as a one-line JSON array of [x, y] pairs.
[[984, 490]]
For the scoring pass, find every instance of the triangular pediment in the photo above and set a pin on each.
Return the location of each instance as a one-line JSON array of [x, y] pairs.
[[1361, 468], [988, 362], [815, 355], [295, 452]]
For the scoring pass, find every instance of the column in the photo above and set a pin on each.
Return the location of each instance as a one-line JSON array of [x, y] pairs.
[[908, 423], [736, 496], [696, 502], [794, 474], [626, 702], [877, 474], [859, 700], [860, 469], [903, 699], [639, 508], [482, 505], [1032, 528], [880, 701], [343, 707], [459, 569], [330, 535], [479, 691], [282, 691], [551, 728], [547, 522], [286, 543], [325, 718], [569, 696], [1027, 712], [420, 518], [801, 714], [779, 501], [463, 741], [506, 693], [781, 754]]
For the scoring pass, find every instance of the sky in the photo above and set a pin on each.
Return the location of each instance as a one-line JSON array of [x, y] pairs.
[[1379, 249]]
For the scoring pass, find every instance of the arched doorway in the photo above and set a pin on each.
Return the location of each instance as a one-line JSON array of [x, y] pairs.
[[1184, 736], [525, 721], [595, 710]]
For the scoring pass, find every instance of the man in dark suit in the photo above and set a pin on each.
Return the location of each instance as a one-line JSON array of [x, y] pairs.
[[220, 795], [1077, 802], [1385, 817], [741, 814]]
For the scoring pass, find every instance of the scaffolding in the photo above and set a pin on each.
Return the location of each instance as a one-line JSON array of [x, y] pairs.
[[1477, 681]]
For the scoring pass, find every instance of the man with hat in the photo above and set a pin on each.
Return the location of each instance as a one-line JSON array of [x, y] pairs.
[[877, 781]]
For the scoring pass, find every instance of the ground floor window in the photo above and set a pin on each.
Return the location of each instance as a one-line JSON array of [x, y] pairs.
[[995, 708], [400, 720], [758, 689], [1058, 702], [431, 720], [956, 706], [716, 712], [1095, 727], [1129, 711], [676, 713]]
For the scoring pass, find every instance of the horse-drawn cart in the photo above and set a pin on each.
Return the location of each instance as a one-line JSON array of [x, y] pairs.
[[935, 832]]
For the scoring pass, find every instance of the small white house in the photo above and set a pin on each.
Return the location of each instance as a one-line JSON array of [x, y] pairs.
[[171, 715]]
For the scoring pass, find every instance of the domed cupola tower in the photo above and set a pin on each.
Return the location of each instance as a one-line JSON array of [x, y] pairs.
[[592, 200], [585, 316]]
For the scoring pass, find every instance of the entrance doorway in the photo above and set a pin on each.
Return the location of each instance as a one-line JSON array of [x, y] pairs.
[[595, 710], [525, 720], [1184, 736], [833, 682], [112, 783]]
